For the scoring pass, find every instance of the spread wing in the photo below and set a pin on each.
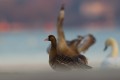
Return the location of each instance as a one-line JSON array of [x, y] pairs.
[[86, 43]]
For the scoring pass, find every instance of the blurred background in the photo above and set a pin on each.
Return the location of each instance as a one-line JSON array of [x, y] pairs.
[[24, 24], [17, 15]]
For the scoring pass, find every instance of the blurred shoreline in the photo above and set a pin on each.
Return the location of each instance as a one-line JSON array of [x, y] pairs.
[[70, 75]]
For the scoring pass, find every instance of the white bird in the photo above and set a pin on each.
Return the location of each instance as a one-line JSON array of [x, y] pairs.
[[112, 61]]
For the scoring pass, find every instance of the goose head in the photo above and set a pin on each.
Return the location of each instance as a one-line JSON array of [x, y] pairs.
[[50, 38]]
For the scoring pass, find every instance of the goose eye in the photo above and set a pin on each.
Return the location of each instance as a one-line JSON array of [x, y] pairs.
[[50, 38]]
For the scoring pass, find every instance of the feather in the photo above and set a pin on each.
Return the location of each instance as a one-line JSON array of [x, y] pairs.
[[64, 55]]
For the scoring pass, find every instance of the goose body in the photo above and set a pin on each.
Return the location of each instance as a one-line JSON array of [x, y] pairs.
[[112, 60], [65, 55], [62, 62]]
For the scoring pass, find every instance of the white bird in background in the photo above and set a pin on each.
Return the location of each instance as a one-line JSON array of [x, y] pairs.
[[112, 60]]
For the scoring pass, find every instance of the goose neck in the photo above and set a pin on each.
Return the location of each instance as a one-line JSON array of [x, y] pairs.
[[54, 44], [114, 49]]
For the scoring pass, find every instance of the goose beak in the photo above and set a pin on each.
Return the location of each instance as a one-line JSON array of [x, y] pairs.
[[105, 48], [46, 39]]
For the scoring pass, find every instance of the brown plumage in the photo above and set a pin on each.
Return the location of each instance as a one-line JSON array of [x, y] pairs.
[[86, 43], [62, 62], [82, 43], [74, 47], [75, 42], [65, 54], [62, 45]]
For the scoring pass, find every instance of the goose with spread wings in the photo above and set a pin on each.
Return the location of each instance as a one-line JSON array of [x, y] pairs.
[[65, 54]]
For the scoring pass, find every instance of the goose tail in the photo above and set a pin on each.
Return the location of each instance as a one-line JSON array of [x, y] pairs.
[[84, 66]]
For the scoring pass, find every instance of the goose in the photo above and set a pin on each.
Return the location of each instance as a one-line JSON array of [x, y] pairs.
[[112, 60], [81, 43], [63, 62], [65, 55]]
